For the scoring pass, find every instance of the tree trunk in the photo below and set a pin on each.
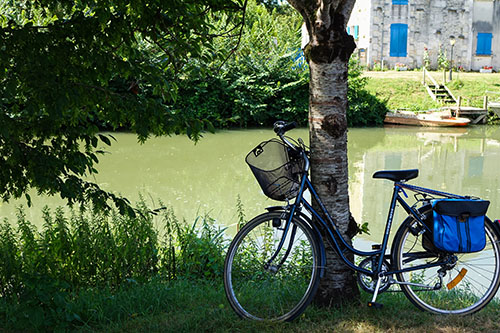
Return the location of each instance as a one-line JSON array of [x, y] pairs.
[[328, 138], [328, 53]]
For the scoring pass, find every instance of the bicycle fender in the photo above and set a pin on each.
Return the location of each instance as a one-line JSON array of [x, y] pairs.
[[315, 230]]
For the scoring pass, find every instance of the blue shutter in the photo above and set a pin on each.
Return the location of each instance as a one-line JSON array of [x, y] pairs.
[[484, 43], [356, 32], [348, 30], [399, 2], [399, 39]]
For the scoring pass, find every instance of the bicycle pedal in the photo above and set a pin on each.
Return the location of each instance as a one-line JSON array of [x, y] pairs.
[[375, 305]]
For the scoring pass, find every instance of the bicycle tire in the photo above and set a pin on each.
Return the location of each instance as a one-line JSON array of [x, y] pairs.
[[468, 293], [259, 294]]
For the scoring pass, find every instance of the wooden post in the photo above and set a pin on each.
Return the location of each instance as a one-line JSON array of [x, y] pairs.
[[424, 76], [459, 104], [485, 107]]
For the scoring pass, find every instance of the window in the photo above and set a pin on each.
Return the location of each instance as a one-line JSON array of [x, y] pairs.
[[399, 2], [353, 31], [399, 37], [484, 43]]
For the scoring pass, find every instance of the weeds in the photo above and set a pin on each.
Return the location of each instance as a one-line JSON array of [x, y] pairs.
[[44, 272]]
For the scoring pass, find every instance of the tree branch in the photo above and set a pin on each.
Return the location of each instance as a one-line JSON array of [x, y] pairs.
[[107, 91], [239, 36], [346, 7]]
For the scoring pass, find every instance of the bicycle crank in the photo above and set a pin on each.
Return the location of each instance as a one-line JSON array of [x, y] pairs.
[[366, 282]]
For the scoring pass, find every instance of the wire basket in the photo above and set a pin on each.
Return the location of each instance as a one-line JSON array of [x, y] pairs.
[[276, 171]]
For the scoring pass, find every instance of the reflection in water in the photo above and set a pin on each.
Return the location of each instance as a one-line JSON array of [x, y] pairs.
[[463, 161], [208, 176]]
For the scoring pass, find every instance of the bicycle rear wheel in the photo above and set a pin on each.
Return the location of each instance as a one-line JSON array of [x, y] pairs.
[[277, 293], [468, 284]]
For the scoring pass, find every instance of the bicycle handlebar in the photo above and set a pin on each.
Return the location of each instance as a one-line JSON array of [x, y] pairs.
[[280, 127]]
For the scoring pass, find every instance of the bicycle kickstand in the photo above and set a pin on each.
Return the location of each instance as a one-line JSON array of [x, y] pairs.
[[372, 303]]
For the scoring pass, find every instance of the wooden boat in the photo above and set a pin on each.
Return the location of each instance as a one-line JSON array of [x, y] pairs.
[[434, 119]]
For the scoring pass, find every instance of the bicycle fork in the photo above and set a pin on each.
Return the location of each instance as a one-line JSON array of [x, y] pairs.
[[275, 268]]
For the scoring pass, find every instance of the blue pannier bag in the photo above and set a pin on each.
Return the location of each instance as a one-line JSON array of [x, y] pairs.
[[459, 224]]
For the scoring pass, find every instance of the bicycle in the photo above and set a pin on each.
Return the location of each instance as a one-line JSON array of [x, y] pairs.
[[275, 262]]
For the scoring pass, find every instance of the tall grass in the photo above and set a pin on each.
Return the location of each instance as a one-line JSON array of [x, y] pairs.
[[94, 271], [44, 272]]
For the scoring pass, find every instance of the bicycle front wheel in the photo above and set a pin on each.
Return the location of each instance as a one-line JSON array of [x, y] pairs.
[[280, 291], [466, 286]]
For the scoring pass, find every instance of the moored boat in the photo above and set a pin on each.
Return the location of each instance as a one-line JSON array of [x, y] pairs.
[[434, 119]]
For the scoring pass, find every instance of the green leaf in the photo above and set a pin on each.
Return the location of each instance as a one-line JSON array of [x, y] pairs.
[[105, 139]]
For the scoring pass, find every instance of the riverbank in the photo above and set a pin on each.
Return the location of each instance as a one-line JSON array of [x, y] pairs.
[[404, 90]]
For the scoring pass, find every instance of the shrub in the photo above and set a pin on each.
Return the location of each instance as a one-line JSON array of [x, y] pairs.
[[200, 250], [364, 109]]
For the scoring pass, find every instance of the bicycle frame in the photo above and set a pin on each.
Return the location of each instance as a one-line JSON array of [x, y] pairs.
[[333, 233], [282, 252]]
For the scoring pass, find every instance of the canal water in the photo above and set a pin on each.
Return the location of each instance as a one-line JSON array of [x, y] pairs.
[[207, 177]]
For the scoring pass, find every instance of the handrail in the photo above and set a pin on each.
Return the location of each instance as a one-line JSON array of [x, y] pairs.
[[426, 73], [449, 92]]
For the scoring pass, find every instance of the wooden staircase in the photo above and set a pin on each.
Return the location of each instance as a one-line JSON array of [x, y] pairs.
[[439, 92]]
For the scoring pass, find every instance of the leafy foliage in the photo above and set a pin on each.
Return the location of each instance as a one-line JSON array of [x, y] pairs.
[[74, 68], [443, 62], [43, 271], [264, 79], [200, 250], [71, 68], [267, 79], [364, 108]]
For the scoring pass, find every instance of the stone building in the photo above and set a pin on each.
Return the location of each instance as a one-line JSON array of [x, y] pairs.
[[411, 32]]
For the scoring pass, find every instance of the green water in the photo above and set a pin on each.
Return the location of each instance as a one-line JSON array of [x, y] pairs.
[[208, 177]]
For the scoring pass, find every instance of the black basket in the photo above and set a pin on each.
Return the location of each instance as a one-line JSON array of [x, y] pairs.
[[277, 171]]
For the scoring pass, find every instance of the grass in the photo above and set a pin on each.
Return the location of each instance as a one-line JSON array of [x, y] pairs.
[[404, 90], [187, 306], [54, 280]]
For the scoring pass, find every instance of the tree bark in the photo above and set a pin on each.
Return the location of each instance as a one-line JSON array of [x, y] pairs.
[[328, 53]]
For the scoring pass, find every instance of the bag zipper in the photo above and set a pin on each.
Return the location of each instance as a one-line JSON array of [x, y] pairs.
[[467, 231], [459, 232]]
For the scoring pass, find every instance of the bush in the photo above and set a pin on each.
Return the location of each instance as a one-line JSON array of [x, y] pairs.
[[364, 109], [201, 250]]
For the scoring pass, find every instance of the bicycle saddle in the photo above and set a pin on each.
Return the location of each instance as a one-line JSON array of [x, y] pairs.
[[397, 175]]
